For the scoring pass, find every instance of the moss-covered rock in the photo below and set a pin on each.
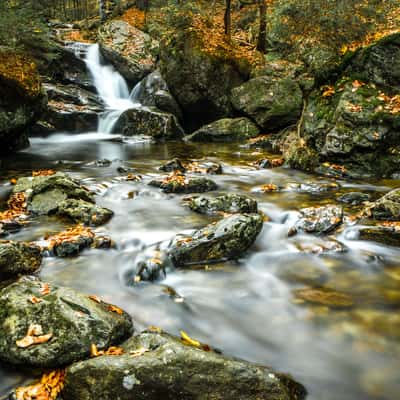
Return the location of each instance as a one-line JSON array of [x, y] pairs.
[[202, 166], [354, 198], [226, 239], [273, 104], [318, 220], [84, 212], [22, 99], [386, 235], [387, 207], [226, 203], [199, 80], [149, 122], [132, 52], [177, 183], [18, 258], [225, 130], [74, 321], [169, 369]]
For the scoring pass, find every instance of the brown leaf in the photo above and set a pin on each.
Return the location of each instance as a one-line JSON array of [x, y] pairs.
[[115, 309], [35, 300], [44, 289], [34, 336], [95, 298]]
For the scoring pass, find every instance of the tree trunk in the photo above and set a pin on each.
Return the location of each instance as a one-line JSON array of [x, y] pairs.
[[262, 33], [227, 20]]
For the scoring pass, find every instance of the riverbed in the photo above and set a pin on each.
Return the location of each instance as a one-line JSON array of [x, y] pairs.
[[247, 308]]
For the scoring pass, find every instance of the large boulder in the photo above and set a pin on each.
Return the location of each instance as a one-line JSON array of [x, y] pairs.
[[272, 103], [149, 122], [22, 100], [179, 183], [71, 108], [153, 91], [58, 193], [160, 366], [18, 258], [131, 51], [355, 122], [199, 80], [48, 326], [226, 130], [387, 207], [226, 239]]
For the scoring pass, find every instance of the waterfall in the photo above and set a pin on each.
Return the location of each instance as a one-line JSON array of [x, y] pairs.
[[112, 89]]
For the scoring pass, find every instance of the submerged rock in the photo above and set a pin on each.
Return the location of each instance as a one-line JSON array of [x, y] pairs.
[[324, 296], [227, 203], [272, 103], [226, 130], [354, 198], [313, 188], [158, 365], [62, 322], [18, 258], [226, 239], [178, 183], [148, 122], [387, 207], [318, 219], [132, 52]]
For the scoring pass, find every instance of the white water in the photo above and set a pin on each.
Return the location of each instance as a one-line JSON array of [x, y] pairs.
[[112, 89]]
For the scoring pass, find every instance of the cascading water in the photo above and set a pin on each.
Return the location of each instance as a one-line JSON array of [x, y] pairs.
[[112, 88]]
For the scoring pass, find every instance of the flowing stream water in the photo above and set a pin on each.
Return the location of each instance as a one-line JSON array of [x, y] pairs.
[[246, 308]]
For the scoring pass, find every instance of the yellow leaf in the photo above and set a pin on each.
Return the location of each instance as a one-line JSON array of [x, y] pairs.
[[186, 339]]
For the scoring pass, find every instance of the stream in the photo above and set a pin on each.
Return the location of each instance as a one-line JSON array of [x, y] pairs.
[[246, 308]]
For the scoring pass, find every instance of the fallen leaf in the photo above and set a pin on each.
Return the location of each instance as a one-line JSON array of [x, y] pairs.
[[35, 300], [34, 336], [44, 289], [155, 329], [138, 352], [95, 298], [111, 351], [186, 339], [115, 309]]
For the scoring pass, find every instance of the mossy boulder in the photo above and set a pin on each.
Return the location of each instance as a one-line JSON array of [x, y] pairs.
[[226, 203], [177, 183], [148, 122], [170, 369], [387, 235], [84, 212], [202, 166], [272, 104], [132, 52], [18, 258], [74, 321], [62, 195], [226, 130], [227, 239], [387, 207], [22, 99], [318, 220], [199, 80]]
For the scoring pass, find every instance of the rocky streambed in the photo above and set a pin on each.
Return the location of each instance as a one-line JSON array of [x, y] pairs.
[[206, 261]]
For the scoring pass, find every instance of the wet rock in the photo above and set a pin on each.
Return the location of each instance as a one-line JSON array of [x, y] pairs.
[[227, 203], [18, 258], [84, 212], [266, 163], [227, 239], [313, 188], [173, 165], [200, 81], [71, 108], [71, 321], [132, 52], [225, 130], [324, 296], [154, 92], [320, 247], [304, 273], [354, 198], [387, 235], [103, 242], [318, 220], [151, 265], [177, 183], [148, 122], [387, 207], [192, 166], [22, 100], [167, 368], [273, 104]]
